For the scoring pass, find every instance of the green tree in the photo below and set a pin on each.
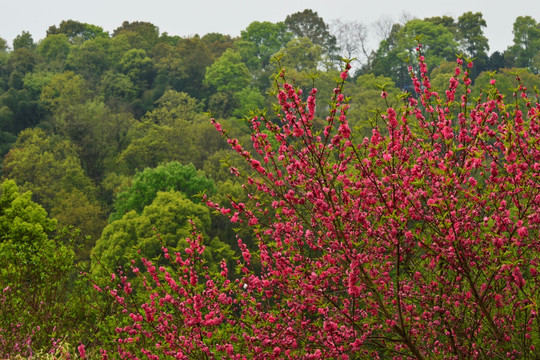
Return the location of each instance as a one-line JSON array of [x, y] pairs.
[[268, 38], [526, 43], [393, 53], [441, 74], [249, 100], [50, 168], [3, 45], [309, 24], [75, 210], [174, 131], [183, 67], [34, 82], [446, 21], [495, 61], [171, 214], [64, 90], [90, 59], [217, 43], [300, 54], [389, 60], [366, 103], [55, 50], [98, 133], [20, 110], [116, 86], [77, 32], [139, 67], [153, 144], [171, 176], [507, 82], [34, 276], [140, 34], [116, 49], [228, 73], [437, 40], [24, 41], [20, 62], [472, 40]]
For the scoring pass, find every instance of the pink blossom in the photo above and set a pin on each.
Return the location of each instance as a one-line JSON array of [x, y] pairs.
[[82, 351]]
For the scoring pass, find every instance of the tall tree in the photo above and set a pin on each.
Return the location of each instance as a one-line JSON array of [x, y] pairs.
[[309, 24], [139, 67], [34, 275], [50, 168], [3, 45], [194, 57], [217, 43], [446, 21], [473, 42], [268, 39], [393, 53], [24, 40], [228, 73], [55, 49], [90, 59], [172, 215], [526, 42], [77, 32], [301, 55], [141, 34], [171, 176]]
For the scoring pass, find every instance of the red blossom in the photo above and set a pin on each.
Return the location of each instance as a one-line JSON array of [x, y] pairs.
[[420, 241]]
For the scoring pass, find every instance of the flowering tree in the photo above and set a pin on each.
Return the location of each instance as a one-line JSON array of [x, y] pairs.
[[419, 242]]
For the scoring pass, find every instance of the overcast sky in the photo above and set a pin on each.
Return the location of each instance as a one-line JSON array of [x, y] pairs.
[[186, 18]]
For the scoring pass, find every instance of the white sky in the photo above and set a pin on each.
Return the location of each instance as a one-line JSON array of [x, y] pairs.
[[185, 18]]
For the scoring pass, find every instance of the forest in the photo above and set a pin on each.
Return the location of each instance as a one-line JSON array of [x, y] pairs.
[[120, 150]]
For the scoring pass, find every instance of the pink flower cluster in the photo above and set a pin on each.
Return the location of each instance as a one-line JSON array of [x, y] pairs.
[[421, 241]]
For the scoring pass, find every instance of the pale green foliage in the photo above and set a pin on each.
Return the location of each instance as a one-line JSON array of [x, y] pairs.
[[35, 81], [175, 105], [300, 54], [35, 160], [267, 39], [366, 102], [440, 77], [171, 176], [63, 90], [437, 40], [170, 214], [21, 220], [33, 276], [228, 73], [249, 100], [507, 83], [173, 131]]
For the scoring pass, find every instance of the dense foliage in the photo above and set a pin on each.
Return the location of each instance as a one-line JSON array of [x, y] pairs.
[[399, 220]]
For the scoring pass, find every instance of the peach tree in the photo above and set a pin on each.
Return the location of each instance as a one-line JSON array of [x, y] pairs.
[[420, 241]]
